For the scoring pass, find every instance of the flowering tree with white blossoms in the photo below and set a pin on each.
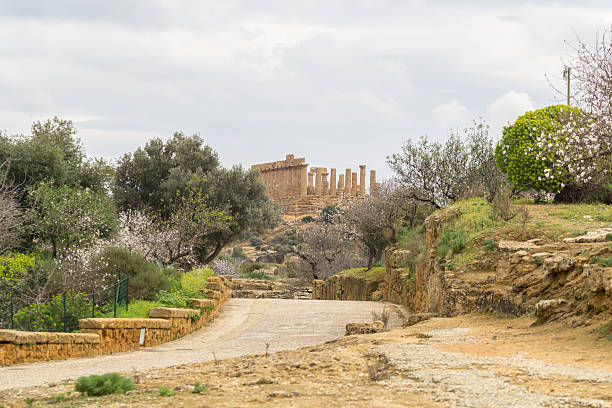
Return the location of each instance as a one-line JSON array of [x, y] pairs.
[[583, 142]]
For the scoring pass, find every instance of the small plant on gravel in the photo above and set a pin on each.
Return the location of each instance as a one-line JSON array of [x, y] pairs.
[[489, 244], [608, 237], [382, 316], [199, 388], [29, 401], [58, 398], [107, 384], [605, 262], [165, 392], [380, 370]]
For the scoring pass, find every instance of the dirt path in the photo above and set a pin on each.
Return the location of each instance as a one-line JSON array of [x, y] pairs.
[[245, 326], [468, 361]]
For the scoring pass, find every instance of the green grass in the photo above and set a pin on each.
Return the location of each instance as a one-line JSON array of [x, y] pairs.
[[106, 384], [605, 262], [165, 392], [376, 273], [136, 309]]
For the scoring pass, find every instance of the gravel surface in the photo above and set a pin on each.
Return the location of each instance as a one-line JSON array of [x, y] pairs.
[[465, 380], [244, 326]]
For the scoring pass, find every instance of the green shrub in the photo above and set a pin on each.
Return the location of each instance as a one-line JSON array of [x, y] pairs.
[[489, 244], [136, 309], [194, 280], [255, 241], [165, 392], [306, 219], [198, 388], [517, 152], [329, 212], [247, 268], [257, 275], [107, 384], [171, 299], [58, 398], [13, 266], [49, 316], [608, 237], [452, 241], [146, 279], [605, 262], [237, 252]]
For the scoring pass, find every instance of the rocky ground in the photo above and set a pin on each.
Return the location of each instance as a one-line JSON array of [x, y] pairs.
[[466, 361]]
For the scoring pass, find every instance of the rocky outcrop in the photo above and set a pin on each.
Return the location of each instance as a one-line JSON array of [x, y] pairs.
[[345, 287], [552, 280]]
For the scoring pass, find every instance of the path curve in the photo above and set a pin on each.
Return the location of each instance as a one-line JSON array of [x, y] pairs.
[[244, 326]]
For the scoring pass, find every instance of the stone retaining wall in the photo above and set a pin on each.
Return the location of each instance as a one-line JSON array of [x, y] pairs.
[[340, 287], [107, 336]]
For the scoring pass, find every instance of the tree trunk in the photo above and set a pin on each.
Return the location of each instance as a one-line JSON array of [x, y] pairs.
[[214, 253], [371, 255]]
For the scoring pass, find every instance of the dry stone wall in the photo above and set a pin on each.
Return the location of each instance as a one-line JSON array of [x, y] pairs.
[[106, 336], [340, 287]]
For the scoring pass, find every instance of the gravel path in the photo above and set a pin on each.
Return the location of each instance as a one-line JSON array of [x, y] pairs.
[[244, 326], [466, 380]]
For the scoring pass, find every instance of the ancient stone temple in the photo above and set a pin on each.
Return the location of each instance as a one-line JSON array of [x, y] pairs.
[[299, 190]]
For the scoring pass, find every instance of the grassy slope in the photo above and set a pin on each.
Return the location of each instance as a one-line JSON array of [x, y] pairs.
[[548, 222], [377, 273]]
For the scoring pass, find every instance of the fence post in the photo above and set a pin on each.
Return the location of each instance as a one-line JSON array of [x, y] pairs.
[[115, 300], [93, 305], [64, 302], [12, 313]]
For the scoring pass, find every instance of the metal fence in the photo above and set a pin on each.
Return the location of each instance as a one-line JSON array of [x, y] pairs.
[[62, 312]]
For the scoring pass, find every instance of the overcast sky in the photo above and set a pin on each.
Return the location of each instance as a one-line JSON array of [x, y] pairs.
[[339, 82]]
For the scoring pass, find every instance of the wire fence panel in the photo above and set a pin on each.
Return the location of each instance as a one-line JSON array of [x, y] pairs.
[[62, 312]]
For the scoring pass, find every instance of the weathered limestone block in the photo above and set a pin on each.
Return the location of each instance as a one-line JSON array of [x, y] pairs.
[[598, 235], [128, 323], [220, 287], [202, 303], [598, 278], [169, 312], [364, 328], [545, 309], [398, 258], [557, 264], [418, 317], [513, 246]]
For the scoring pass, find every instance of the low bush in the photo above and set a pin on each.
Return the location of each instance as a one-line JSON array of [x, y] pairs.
[[247, 268], [194, 280], [237, 252], [146, 278], [489, 244], [306, 219], [49, 316], [255, 241], [107, 384], [136, 309], [452, 241]]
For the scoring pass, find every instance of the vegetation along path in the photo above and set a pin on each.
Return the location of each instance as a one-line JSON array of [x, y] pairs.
[[245, 326]]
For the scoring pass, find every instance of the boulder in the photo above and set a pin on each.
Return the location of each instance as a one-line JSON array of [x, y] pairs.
[[545, 309], [364, 328]]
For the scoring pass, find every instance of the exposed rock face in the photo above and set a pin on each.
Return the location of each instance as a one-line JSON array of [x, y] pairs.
[[519, 278], [277, 289], [364, 328], [340, 287], [591, 236]]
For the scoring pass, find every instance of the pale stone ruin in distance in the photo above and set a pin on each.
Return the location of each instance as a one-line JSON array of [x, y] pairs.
[[299, 191]]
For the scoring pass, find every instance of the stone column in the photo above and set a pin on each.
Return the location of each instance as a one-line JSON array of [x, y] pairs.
[[303, 181], [362, 179], [354, 186], [319, 186], [325, 183], [332, 183], [310, 189], [347, 182], [341, 183], [372, 181]]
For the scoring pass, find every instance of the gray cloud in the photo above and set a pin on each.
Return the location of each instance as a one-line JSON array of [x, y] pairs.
[[340, 82]]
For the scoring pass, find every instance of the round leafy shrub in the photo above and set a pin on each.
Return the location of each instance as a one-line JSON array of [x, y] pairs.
[[146, 279], [255, 241], [329, 212], [49, 316], [14, 266], [520, 156], [306, 219], [107, 384]]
